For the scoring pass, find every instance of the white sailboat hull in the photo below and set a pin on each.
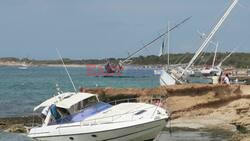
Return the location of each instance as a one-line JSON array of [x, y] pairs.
[[105, 132], [166, 79]]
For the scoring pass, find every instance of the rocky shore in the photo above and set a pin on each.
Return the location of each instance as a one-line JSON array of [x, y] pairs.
[[197, 107]]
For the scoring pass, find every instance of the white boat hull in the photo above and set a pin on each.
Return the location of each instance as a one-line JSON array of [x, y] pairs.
[[166, 79], [23, 68], [142, 132]]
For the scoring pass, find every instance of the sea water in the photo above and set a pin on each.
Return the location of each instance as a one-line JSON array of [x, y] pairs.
[[21, 90]]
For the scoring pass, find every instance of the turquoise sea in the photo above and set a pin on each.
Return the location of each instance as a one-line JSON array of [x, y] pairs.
[[21, 90]]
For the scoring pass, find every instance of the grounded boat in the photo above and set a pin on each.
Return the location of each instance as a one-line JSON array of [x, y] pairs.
[[81, 116], [210, 36], [117, 68], [189, 75], [113, 68]]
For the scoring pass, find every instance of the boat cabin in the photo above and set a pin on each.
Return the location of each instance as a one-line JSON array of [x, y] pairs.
[[70, 107]]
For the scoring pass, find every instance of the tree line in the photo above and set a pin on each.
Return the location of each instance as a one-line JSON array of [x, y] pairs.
[[239, 60]]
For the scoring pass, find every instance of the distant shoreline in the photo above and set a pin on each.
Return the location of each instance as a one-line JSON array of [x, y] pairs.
[[19, 64], [34, 64], [236, 60]]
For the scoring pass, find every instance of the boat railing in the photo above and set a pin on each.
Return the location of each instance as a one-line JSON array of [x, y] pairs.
[[127, 100], [149, 100]]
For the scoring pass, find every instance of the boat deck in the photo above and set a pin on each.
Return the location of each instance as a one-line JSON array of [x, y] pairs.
[[122, 113]]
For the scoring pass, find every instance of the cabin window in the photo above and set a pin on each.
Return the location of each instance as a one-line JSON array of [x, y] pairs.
[[85, 103], [89, 102], [79, 106], [63, 112]]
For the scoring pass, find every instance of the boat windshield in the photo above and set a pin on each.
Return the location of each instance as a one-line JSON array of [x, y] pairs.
[[84, 104], [77, 112], [80, 115]]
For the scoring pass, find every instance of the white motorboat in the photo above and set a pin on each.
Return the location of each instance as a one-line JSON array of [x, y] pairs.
[[23, 66], [82, 117]]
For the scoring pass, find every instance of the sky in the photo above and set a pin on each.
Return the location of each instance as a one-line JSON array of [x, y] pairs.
[[88, 29]]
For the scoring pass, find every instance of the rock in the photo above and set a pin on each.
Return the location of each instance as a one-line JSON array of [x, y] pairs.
[[241, 137], [242, 110], [17, 128]]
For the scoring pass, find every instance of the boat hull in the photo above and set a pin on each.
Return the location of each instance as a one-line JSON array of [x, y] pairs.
[[142, 132]]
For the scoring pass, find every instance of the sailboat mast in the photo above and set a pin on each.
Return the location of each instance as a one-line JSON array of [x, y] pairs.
[[168, 40], [226, 58], [215, 53], [210, 36], [160, 36]]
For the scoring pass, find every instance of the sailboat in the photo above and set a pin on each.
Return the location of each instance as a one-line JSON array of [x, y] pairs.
[[213, 70], [116, 68], [162, 49], [161, 53], [207, 40], [166, 76]]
